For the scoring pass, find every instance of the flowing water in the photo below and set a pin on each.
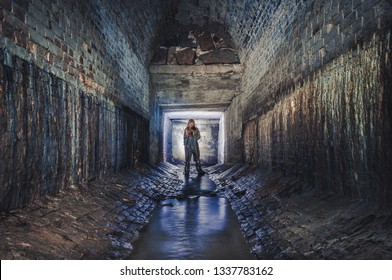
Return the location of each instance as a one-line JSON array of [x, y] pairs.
[[196, 226]]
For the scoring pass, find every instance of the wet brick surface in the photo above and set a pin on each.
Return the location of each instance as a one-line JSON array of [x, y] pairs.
[[94, 220], [282, 219]]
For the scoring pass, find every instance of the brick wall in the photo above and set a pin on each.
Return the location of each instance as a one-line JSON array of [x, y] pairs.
[[316, 96], [334, 131], [301, 38], [233, 132], [100, 46], [74, 99], [53, 135]]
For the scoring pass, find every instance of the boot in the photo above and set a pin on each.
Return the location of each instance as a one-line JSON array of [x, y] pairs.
[[198, 168], [187, 167]]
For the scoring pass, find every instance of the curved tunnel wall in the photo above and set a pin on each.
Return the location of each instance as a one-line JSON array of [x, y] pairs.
[[317, 98], [74, 95], [334, 131], [54, 135]]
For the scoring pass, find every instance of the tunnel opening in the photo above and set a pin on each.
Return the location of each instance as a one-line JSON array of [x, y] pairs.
[[195, 73], [211, 143]]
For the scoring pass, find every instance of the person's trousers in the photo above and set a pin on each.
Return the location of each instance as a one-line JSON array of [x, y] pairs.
[[189, 152]]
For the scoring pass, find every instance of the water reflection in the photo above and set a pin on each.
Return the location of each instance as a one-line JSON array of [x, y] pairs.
[[194, 216], [197, 185], [196, 227]]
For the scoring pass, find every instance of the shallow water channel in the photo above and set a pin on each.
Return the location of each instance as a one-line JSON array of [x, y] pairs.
[[196, 226]]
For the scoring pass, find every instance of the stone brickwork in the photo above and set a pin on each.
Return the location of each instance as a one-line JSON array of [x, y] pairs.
[[75, 97], [316, 98], [282, 217], [101, 46], [283, 42], [299, 38], [233, 132], [287, 38], [100, 219], [334, 131], [53, 134]]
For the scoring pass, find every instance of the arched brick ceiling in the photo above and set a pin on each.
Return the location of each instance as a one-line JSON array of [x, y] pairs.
[[240, 21]]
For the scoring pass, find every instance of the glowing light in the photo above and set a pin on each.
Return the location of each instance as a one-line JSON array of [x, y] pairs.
[[193, 115], [169, 116]]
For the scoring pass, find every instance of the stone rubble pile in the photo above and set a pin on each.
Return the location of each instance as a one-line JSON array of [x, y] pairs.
[[195, 47]]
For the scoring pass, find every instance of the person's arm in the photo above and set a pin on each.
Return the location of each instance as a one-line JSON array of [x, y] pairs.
[[184, 135], [197, 134]]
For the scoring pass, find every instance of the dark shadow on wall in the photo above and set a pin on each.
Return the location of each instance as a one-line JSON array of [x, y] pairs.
[[53, 134]]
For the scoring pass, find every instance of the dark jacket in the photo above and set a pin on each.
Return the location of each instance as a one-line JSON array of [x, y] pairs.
[[190, 142]]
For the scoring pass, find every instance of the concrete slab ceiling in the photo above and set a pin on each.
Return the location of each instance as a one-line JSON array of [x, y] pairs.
[[196, 87]]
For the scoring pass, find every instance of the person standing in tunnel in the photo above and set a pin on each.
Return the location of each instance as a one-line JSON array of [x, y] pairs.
[[191, 137]]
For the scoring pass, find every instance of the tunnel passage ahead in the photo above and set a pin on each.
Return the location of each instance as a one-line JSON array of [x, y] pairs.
[[303, 87]]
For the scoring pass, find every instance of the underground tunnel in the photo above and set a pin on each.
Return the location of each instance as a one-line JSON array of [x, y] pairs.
[[293, 101]]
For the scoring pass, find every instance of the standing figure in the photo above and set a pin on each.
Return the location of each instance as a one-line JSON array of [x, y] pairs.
[[191, 136]]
